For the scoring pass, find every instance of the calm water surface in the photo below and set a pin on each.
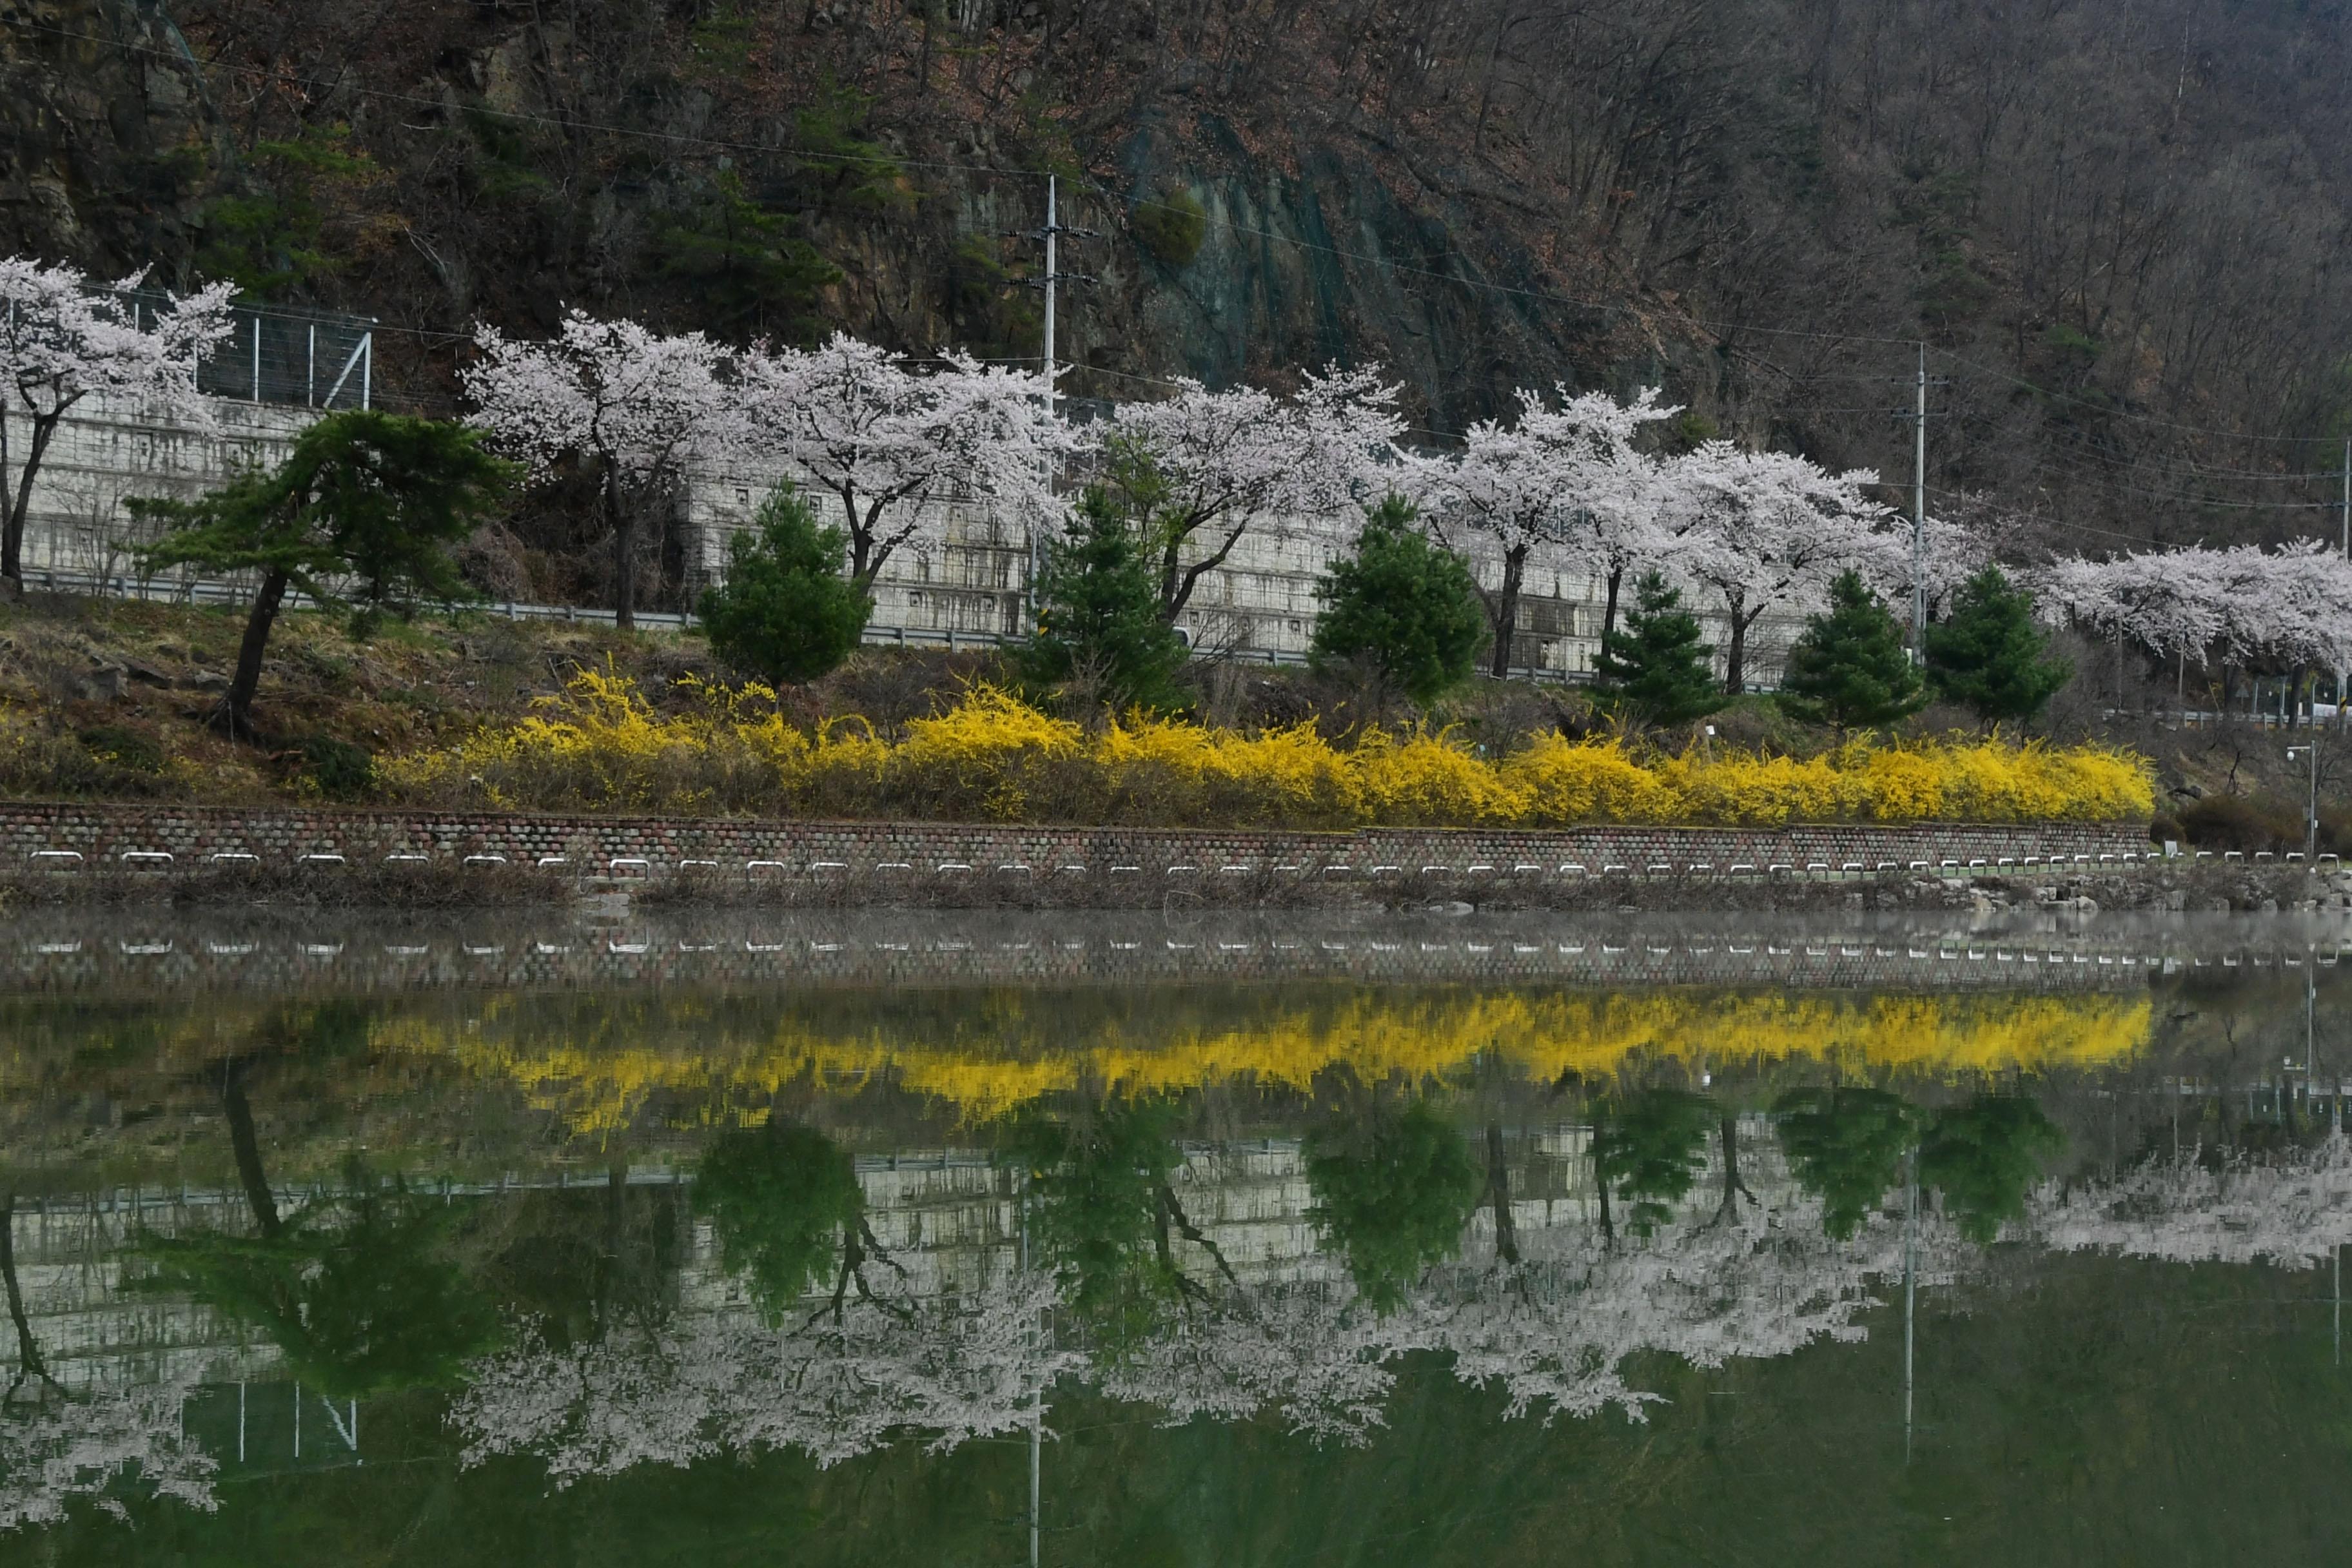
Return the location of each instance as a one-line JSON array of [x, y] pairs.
[[1171, 1239]]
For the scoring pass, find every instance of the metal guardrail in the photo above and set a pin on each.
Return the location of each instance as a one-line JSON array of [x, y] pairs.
[[637, 867], [176, 590]]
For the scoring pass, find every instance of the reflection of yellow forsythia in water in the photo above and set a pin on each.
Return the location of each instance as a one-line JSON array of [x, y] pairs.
[[702, 1066], [601, 745]]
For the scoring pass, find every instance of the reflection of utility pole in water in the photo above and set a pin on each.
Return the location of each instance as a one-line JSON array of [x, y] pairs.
[[1910, 1288], [1038, 1404]]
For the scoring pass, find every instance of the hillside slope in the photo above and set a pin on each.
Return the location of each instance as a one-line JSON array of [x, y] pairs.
[[2115, 222]]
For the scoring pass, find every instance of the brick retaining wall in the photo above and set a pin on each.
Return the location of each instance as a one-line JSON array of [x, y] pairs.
[[119, 954], [107, 832]]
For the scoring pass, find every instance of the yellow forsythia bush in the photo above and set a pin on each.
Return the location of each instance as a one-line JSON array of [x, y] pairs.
[[601, 746]]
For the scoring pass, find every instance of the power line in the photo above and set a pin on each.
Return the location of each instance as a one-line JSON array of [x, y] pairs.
[[2079, 444], [2041, 391]]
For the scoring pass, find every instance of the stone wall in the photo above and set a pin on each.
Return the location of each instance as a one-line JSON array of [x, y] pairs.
[[592, 846], [965, 572], [114, 447], [278, 952]]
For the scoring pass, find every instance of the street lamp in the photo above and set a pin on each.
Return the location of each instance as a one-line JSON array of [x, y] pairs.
[[2311, 809]]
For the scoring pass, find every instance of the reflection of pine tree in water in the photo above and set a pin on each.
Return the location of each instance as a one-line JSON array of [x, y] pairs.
[[1984, 1157], [358, 1289], [1394, 1187], [1845, 1145], [1650, 1146], [1104, 1216], [783, 1201]]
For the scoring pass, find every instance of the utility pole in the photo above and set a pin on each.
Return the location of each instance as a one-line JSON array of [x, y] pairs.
[[2311, 807], [1919, 515], [1049, 280], [2347, 555], [1910, 1285]]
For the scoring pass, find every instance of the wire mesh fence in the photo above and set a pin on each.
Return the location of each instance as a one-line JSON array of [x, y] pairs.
[[273, 353]]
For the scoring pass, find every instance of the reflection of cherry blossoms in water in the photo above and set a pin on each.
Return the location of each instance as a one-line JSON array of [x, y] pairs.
[[832, 1385], [2290, 1208], [103, 1445], [1553, 1332]]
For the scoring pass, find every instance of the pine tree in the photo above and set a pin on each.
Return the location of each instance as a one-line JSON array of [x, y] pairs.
[[1654, 667], [1988, 655], [1849, 667], [787, 612], [362, 512], [1098, 612], [1402, 605]]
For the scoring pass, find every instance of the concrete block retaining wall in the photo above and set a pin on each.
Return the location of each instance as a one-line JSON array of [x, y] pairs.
[[588, 846]]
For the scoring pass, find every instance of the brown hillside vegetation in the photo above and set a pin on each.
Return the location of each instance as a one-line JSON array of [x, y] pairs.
[[2116, 223]]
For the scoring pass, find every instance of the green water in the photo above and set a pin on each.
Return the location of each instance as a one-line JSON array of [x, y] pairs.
[[1233, 1259]]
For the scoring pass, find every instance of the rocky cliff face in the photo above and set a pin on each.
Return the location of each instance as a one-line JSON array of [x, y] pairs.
[[109, 143], [2115, 226]]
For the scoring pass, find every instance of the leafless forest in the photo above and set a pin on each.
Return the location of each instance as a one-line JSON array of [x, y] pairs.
[[2116, 223]]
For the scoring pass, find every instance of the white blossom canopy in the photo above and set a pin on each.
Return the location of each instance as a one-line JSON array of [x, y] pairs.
[[57, 1447], [63, 339], [2290, 606], [886, 437], [638, 402], [1230, 460], [832, 1387], [2291, 1209]]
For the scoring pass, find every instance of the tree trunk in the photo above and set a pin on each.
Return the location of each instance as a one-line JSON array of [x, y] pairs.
[[30, 1364], [867, 553], [1498, 1193], [1734, 654], [237, 709], [624, 554], [248, 1149], [13, 513], [1171, 578], [1609, 607], [1600, 1185], [1506, 608], [1733, 1187]]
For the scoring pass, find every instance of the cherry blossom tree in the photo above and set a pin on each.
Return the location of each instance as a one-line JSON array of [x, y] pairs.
[[1568, 476], [56, 1445], [1773, 530], [887, 438], [2289, 609], [62, 339], [2169, 600], [633, 406], [834, 1386], [1950, 553], [1212, 464], [1310, 1352], [2292, 1209]]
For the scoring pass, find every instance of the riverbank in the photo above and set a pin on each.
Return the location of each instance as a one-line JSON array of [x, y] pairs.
[[111, 853]]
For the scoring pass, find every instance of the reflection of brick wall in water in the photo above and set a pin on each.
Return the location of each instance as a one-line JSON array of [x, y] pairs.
[[149, 952], [588, 843]]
